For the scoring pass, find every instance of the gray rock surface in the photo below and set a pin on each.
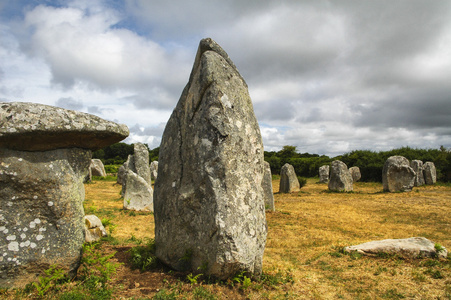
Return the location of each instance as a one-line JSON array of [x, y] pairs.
[[340, 178], [208, 198], [97, 168], [121, 172], [41, 212], [324, 174], [38, 127], [94, 229], [397, 175], [288, 180], [136, 184], [267, 187], [45, 155], [429, 173], [414, 247], [154, 170], [355, 173], [417, 166]]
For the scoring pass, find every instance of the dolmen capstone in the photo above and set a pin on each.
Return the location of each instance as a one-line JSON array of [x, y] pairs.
[[45, 154], [94, 229], [208, 198], [267, 187], [324, 174], [429, 173], [417, 166], [415, 247], [355, 173], [397, 175], [340, 179], [136, 184], [154, 170], [288, 180]]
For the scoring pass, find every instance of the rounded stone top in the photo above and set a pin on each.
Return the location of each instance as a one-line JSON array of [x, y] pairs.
[[37, 127]]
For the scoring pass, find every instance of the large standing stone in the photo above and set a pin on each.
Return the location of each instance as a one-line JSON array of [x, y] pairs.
[[397, 175], [209, 199], [417, 166], [340, 178], [355, 173], [45, 154], [324, 174], [97, 168], [154, 170], [121, 174], [429, 173], [267, 187], [411, 247], [288, 180], [136, 186]]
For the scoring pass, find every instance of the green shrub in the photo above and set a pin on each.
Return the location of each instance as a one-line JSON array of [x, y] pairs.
[[302, 181], [143, 257]]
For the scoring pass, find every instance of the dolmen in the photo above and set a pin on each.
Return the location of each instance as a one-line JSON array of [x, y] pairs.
[[45, 154], [136, 184], [397, 175], [289, 182], [414, 247], [209, 204], [340, 178], [355, 173], [324, 174]]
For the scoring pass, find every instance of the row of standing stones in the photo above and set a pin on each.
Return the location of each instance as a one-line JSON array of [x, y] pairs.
[[209, 197]]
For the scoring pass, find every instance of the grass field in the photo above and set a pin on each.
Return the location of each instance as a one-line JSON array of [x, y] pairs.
[[303, 257]]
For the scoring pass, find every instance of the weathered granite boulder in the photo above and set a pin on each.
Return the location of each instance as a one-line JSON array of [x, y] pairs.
[[414, 247], [267, 187], [417, 166], [94, 229], [340, 178], [324, 174], [97, 168], [136, 186], [355, 173], [397, 175], [208, 198], [288, 180], [45, 154], [154, 170], [429, 173]]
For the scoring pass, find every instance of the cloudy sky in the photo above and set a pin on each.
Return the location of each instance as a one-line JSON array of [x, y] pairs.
[[326, 76]]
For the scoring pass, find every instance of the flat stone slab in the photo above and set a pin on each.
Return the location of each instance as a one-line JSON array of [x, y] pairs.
[[412, 247], [37, 127]]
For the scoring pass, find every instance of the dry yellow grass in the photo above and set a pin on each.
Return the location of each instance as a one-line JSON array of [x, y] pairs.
[[309, 228]]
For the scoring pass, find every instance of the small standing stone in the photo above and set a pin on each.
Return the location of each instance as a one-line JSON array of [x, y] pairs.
[[397, 175], [154, 170], [267, 187], [136, 188], [355, 173], [417, 166], [340, 177], [94, 229], [97, 168], [288, 180], [324, 174], [430, 173]]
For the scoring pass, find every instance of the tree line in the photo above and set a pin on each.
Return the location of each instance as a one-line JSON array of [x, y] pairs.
[[307, 165]]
